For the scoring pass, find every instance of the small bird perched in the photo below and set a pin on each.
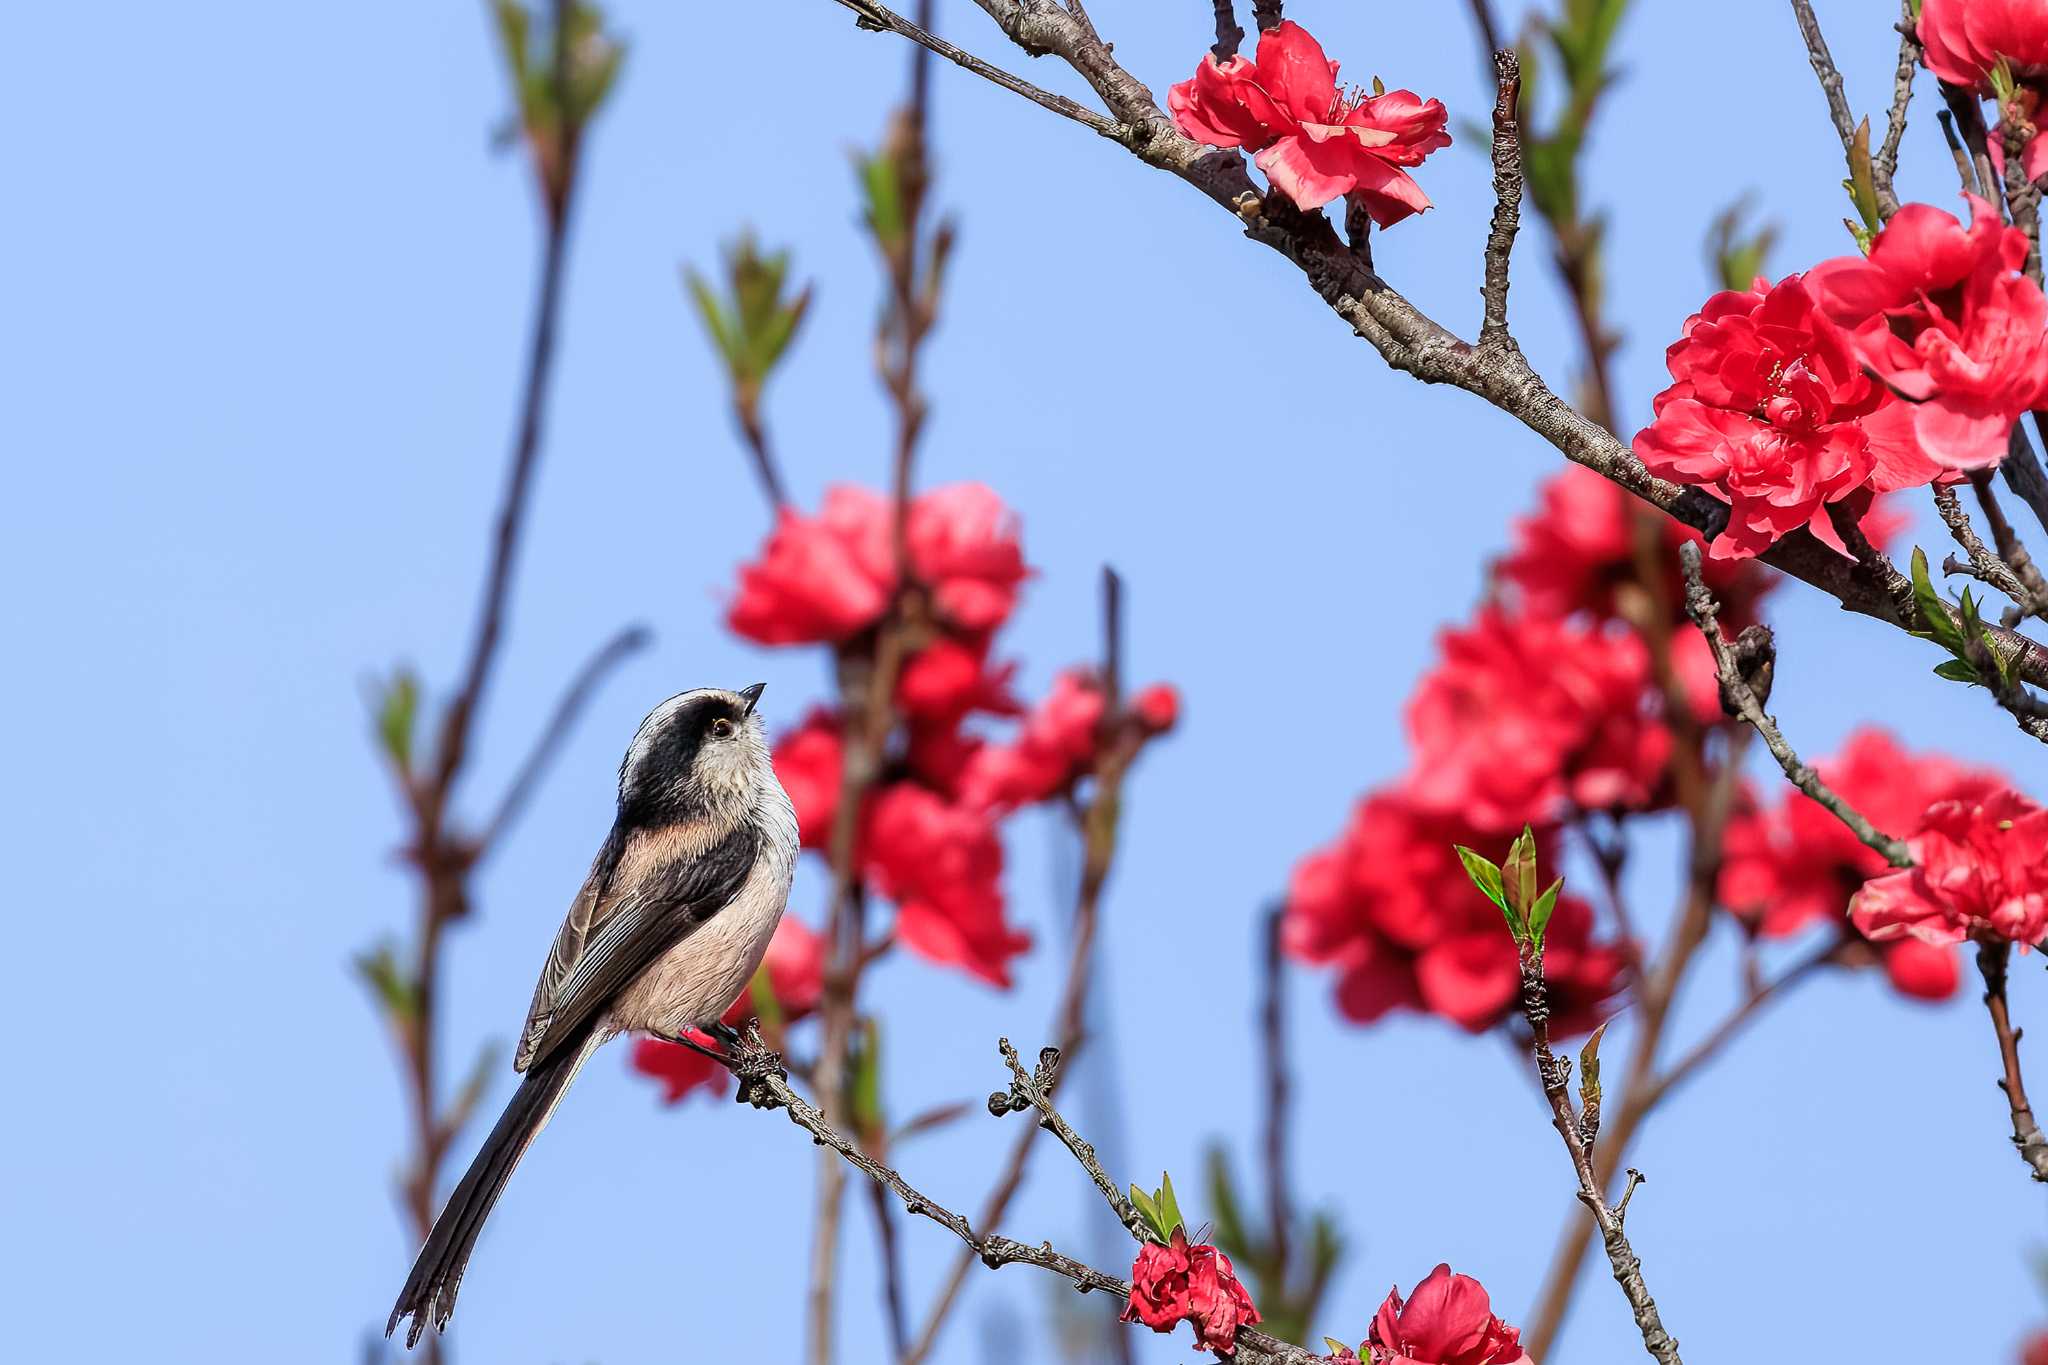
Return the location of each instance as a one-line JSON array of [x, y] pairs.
[[667, 931]]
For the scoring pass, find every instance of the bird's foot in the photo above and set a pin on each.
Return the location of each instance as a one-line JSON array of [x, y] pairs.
[[756, 1066]]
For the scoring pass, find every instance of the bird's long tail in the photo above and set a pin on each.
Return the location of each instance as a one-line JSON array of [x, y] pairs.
[[429, 1293]]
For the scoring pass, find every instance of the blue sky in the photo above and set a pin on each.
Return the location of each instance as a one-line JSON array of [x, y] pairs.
[[266, 288]]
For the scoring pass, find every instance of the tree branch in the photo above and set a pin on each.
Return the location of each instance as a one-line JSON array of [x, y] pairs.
[[1097, 821], [615, 651], [1886, 163], [764, 1085], [1740, 701], [1992, 956], [877, 19], [1555, 1075], [1830, 75], [1507, 197], [1229, 36], [1412, 342]]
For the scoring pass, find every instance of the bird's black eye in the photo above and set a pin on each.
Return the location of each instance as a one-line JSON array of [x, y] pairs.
[[721, 728]]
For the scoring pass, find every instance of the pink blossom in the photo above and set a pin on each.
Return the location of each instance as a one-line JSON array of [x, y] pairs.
[[1314, 141]]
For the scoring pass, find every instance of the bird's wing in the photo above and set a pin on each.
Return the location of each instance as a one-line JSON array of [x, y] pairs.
[[614, 932]]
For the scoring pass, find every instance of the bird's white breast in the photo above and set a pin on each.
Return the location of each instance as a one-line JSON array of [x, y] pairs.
[[696, 981]]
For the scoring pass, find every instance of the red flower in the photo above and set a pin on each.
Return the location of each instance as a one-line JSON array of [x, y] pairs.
[[1797, 865], [1315, 142], [1941, 313], [2035, 1352], [1980, 867], [1193, 1284], [1920, 970], [1448, 1320], [808, 762], [949, 678], [825, 578], [942, 864], [1965, 38], [1389, 905], [795, 970], [1525, 719], [1767, 413], [1157, 708], [1570, 556], [1055, 746]]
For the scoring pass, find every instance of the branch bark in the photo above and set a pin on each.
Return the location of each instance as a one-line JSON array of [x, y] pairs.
[[2026, 1133], [1578, 1142]]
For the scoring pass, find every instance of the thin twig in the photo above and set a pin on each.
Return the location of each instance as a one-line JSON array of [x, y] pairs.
[[616, 650], [1710, 1046], [1984, 565], [1555, 1075], [763, 1085], [2010, 548], [1097, 822], [1992, 956], [1740, 701], [1410, 341], [1229, 36], [1279, 1092], [443, 856], [1507, 196], [892, 1272], [1830, 75], [1885, 164], [882, 20]]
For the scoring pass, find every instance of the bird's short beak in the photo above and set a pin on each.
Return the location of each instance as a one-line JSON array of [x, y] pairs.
[[753, 695]]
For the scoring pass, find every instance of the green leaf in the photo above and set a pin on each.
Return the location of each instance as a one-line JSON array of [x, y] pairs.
[[865, 1092], [1956, 670], [724, 333], [879, 180], [1169, 1207], [1487, 878], [1589, 1070], [1518, 872], [767, 1008], [1862, 189], [397, 713], [1149, 1211], [389, 984], [1539, 914], [1933, 610]]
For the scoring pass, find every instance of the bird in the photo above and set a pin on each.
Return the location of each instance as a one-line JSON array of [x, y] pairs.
[[668, 929]]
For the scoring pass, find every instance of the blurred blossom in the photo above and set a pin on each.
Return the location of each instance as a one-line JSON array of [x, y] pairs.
[[823, 579], [1791, 865], [1525, 720], [1390, 907]]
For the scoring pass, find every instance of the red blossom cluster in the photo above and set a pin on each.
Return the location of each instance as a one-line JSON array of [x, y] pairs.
[[1795, 401], [1791, 865], [1964, 39], [793, 976], [1315, 140], [1192, 1283], [1980, 867], [1390, 907], [928, 837]]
